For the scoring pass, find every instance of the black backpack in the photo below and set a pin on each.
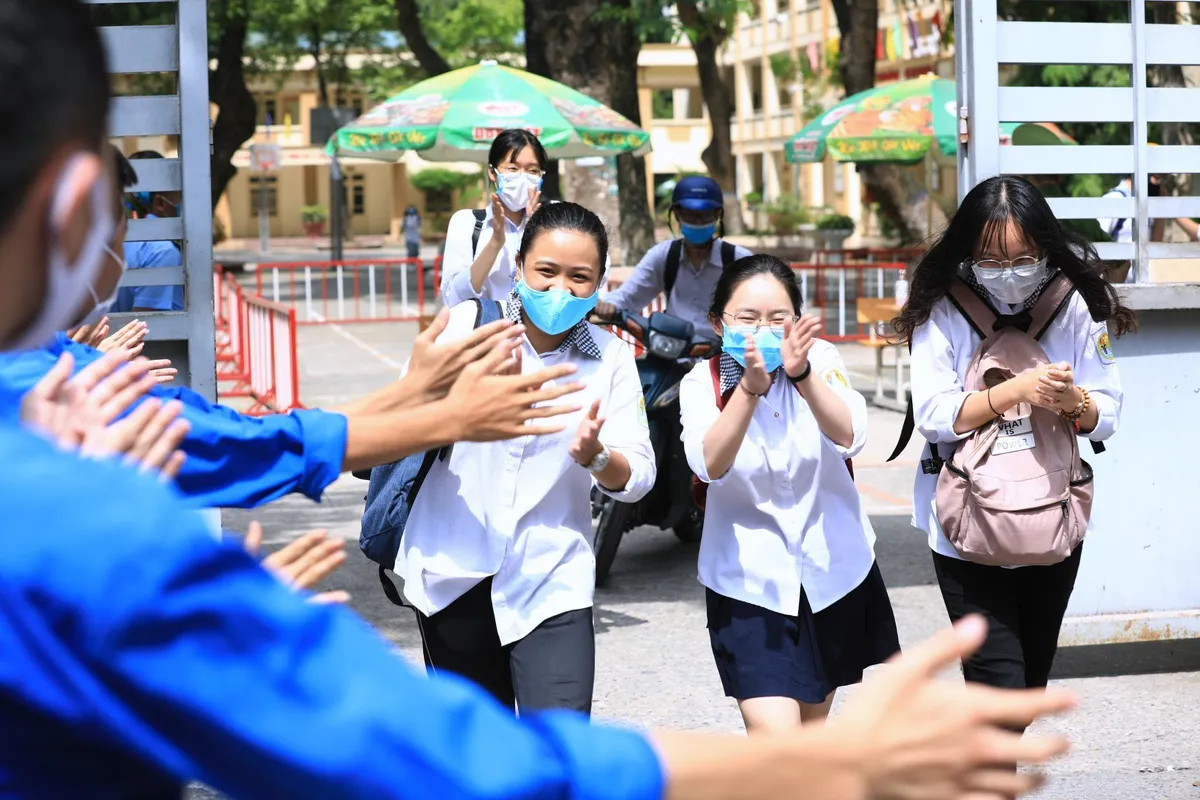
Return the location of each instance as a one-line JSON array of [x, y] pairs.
[[480, 218], [675, 256]]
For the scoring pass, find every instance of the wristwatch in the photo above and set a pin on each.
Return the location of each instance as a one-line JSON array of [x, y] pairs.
[[600, 462]]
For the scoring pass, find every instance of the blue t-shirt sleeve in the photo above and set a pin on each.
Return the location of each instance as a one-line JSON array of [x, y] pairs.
[[158, 298], [133, 625]]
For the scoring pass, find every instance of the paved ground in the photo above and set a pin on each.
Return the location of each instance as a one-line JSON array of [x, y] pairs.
[[1136, 734]]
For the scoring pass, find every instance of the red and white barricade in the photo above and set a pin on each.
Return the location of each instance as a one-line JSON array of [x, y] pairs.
[[373, 290]]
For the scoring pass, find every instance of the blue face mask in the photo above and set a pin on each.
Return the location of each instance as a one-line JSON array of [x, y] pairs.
[[698, 234], [554, 311], [733, 341]]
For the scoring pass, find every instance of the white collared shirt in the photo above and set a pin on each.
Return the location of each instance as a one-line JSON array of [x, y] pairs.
[[458, 258], [942, 350], [520, 510], [786, 514], [692, 296]]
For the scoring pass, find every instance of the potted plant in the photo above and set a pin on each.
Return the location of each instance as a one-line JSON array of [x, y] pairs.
[[785, 215], [835, 229], [313, 218]]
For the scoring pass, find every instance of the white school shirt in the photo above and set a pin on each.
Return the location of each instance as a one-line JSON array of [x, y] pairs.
[[520, 510], [942, 349], [458, 258], [786, 514], [692, 296]]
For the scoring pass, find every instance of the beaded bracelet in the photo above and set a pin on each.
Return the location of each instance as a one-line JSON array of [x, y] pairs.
[[1081, 409]]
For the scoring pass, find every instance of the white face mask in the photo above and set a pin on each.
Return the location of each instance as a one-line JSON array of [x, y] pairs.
[[515, 189], [102, 307], [1010, 284], [67, 284]]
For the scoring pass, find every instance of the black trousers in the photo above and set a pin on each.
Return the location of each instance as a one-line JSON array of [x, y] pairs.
[[1024, 608], [552, 667]]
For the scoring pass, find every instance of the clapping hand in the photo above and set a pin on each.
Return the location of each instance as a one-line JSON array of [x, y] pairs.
[[1056, 388], [91, 335], [755, 379], [586, 445], [303, 563], [798, 340], [131, 338]]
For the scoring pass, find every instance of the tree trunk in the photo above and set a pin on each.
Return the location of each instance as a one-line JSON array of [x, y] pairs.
[[314, 49], [637, 220], [559, 30], [227, 90], [409, 19], [718, 98], [908, 205], [536, 35]]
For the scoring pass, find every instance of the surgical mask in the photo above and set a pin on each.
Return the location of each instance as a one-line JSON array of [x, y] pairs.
[[768, 342], [1013, 284], [68, 283], [554, 311], [698, 234], [102, 307], [515, 189]]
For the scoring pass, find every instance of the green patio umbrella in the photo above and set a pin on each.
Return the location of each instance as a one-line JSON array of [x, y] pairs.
[[898, 123], [455, 117]]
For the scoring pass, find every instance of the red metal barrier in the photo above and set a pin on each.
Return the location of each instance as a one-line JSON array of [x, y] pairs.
[[867, 255], [369, 290], [256, 348], [831, 292]]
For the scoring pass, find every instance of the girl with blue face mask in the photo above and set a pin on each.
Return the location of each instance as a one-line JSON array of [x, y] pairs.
[[796, 604], [497, 555]]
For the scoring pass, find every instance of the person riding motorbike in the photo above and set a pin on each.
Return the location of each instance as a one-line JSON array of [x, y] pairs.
[[698, 257]]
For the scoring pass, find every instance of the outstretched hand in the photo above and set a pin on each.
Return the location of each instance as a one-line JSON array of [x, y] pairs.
[[304, 562], [587, 438]]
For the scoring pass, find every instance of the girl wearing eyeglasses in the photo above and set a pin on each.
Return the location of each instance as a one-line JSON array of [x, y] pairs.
[[481, 245], [1005, 243], [796, 604]]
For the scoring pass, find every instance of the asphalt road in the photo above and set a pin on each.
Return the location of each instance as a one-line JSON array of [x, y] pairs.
[[1136, 733]]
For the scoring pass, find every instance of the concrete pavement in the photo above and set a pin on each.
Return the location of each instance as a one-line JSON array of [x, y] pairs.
[[1136, 733]]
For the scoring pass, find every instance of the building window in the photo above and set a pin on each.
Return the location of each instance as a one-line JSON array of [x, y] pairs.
[[662, 104], [755, 75], [290, 111], [358, 194], [268, 113], [695, 104], [258, 185]]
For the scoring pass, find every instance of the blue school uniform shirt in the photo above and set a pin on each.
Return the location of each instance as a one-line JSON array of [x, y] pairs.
[[137, 654], [158, 298], [233, 461]]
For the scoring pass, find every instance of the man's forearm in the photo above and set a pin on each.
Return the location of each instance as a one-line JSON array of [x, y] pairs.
[[374, 439], [393, 397], [711, 767]]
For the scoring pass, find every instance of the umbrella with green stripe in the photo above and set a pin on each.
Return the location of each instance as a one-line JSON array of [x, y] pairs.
[[898, 123], [455, 117]]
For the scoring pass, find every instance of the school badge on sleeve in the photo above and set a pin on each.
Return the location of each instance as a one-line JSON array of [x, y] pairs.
[[834, 377], [642, 411], [1104, 349]]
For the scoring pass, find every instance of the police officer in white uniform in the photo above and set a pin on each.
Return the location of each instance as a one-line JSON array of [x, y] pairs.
[[685, 269]]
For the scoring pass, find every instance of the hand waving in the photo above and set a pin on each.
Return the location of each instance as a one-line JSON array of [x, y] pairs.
[[130, 338], [587, 439], [498, 218], [434, 366], [798, 340]]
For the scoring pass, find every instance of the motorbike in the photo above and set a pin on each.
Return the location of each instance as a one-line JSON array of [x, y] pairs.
[[666, 340]]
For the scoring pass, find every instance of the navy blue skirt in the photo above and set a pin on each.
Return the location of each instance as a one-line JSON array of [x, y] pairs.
[[762, 653]]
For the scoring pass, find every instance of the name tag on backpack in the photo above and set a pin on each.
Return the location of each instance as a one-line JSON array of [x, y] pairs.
[[1015, 435]]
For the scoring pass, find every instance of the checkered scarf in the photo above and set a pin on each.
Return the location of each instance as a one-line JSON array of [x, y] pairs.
[[579, 336]]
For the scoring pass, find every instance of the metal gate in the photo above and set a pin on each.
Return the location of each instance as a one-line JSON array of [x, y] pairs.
[[1137, 581], [186, 337]]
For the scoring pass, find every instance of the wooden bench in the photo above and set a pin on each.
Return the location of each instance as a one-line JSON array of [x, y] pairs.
[[876, 314]]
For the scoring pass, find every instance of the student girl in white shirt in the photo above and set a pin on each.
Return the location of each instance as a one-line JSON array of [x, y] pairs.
[[496, 556], [1006, 243], [796, 603], [481, 246]]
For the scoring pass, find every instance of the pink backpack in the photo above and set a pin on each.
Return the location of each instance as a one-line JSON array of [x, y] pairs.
[[1015, 492]]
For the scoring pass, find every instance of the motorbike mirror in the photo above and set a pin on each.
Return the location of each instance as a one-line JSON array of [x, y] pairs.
[[702, 350]]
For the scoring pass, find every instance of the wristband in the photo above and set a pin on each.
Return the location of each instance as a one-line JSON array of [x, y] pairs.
[[742, 386], [803, 375], [989, 399]]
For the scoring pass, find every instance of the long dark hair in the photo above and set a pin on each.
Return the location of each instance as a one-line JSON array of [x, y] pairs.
[[511, 142], [981, 219], [566, 217], [746, 268]]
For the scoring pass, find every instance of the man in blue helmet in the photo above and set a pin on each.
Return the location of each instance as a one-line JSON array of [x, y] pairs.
[[685, 269]]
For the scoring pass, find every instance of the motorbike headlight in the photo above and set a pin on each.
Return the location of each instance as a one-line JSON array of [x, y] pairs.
[[667, 398], [665, 346]]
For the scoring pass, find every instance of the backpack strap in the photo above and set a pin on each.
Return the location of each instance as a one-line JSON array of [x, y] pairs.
[[671, 270], [480, 218], [728, 254], [1054, 299], [979, 315]]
